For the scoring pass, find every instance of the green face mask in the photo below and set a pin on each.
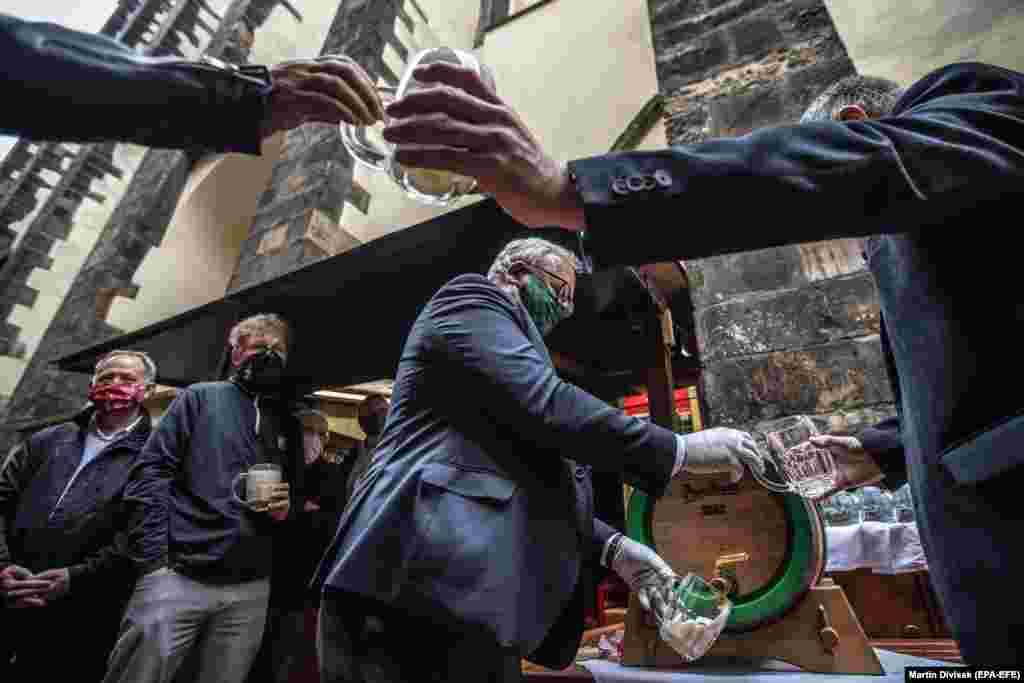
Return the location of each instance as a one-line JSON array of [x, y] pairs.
[[542, 305]]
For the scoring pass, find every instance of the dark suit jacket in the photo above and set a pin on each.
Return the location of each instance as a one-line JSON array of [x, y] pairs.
[[84, 534], [947, 170], [474, 507], [60, 84], [884, 443]]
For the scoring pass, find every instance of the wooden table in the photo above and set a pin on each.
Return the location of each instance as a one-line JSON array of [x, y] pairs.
[[941, 649], [931, 648]]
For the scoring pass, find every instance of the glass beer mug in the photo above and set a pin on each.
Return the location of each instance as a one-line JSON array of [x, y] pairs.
[[695, 615], [368, 147], [260, 480], [805, 469]]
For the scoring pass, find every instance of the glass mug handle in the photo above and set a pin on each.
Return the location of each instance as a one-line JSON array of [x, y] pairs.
[[234, 487], [366, 144], [773, 486]]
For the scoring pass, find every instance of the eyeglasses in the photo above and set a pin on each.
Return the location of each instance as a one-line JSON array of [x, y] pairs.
[[563, 290]]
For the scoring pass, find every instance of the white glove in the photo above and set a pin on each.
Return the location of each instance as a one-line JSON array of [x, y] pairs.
[[655, 585], [721, 450], [647, 574]]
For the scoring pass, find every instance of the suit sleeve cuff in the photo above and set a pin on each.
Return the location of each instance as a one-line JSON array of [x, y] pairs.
[[608, 553], [76, 573], [680, 455]]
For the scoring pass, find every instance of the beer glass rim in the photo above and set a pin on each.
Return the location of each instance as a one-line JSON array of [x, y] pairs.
[[789, 423]]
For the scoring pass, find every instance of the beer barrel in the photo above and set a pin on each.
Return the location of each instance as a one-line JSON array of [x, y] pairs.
[[700, 520]]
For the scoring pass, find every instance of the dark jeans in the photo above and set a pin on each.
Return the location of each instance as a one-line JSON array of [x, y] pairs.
[[364, 641]]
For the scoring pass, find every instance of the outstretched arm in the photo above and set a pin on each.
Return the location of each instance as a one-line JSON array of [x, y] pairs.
[[61, 84]]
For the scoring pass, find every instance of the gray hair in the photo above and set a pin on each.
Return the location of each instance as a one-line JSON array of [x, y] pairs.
[[148, 366], [532, 250], [261, 323], [877, 96]]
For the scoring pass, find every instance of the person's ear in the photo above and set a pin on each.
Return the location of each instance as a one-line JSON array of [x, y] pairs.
[[852, 112]]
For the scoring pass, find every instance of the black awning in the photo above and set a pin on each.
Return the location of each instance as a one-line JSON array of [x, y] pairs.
[[352, 312]]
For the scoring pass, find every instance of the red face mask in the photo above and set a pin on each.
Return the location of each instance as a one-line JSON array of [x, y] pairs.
[[117, 396]]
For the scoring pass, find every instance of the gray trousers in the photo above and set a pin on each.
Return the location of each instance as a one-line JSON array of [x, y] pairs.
[[171, 617], [362, 641]]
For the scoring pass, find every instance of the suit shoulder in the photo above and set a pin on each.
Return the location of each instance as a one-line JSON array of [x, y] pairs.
[[466, 302], [200, 393], [472, 287], [961, 78], [207, 388]]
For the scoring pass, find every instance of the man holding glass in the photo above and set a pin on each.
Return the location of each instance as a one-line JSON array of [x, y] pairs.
[[462, 547], [933, 174], [203, 550], [64, 575]]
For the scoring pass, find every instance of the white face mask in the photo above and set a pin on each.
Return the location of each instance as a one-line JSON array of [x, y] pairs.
[[312, 446]]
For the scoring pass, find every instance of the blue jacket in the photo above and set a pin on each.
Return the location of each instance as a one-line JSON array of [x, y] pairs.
[[84, 534], [474, 507], [60, 84], [179, 493], [943, 179]]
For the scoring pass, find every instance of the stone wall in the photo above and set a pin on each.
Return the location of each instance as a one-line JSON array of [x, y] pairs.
[[788, 330], [136, 225]]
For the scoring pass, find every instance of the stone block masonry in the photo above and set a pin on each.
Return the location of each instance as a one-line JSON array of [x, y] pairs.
[[788, 330]]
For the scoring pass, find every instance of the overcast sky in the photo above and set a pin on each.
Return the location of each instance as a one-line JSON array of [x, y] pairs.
[[84, 15]]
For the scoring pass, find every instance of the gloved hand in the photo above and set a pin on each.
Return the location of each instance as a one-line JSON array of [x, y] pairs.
[[721, 450], [647, 574]]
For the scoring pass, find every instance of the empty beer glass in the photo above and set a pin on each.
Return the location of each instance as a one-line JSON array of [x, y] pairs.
[[904, 504], [696, 613], [368, 147], [803, 468], [878, 505]]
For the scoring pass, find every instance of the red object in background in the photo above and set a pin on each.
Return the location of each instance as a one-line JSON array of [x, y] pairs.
[[639, 405], [611, 593]]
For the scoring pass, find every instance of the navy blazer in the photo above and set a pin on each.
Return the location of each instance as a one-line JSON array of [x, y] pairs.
[[60, 84], [946, 170], [83, 534], [474, 507]]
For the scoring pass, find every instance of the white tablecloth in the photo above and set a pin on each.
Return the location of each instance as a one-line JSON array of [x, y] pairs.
[[710, 670], [883, 547]]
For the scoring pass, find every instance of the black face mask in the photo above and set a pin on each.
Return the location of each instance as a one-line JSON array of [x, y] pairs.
[[372, 424], [262, 371]]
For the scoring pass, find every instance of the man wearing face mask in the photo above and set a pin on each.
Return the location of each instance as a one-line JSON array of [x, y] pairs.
[[205, 558], [64, 574], [373, 413], [462, 546]]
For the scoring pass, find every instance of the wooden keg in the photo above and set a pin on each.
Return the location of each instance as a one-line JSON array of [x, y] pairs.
[[701, 521]]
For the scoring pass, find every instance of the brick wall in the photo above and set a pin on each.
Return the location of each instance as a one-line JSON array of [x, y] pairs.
[[788, 330]]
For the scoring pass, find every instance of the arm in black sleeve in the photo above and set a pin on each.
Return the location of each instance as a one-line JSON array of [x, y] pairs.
[[17, 470], [955, 138], [60, 84], [884, 443], [602, 534], [477, 332], [106, 563], [148, 493]]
